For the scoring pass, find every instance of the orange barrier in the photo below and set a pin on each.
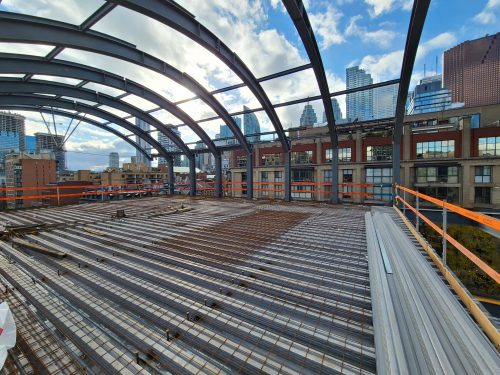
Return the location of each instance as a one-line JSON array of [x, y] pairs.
[[471, 256], [54, 187], [480, 218]]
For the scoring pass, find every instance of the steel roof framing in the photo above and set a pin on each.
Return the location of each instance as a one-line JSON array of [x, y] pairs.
[[28, 29], [42, 100], [18, 86], [34, 108], [14, 63], [174, 16]]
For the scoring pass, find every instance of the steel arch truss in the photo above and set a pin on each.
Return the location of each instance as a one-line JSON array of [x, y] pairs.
[[14, 63], [174, 16], [33, 108], [28, 29], [19, 86], [42, 100]]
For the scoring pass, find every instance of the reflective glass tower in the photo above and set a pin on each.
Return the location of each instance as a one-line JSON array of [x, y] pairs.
[[169, 145], [308, 117], [140, 158], [251, 125], [359, 104]]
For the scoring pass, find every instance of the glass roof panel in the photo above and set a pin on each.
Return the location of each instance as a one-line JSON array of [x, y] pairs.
[[114, 111], [25, 48], [88, 102], [197, 109], [165, 117], [71, 11], [11, 75]]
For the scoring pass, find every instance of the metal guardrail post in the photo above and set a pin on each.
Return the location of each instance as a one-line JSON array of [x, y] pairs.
[[404, 205], [417, 218], [445, 222], [58, 198]]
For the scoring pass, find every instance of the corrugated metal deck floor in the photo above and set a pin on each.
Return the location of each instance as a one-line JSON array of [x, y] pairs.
[[221, 287]]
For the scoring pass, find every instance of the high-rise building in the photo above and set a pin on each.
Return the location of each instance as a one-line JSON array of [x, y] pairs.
[[27, 170], [30, 144], [140, 157], [52, 144], [384, 101], [11, 137], [337, 112], [308, 117], [359, 104], [170, 146], [430, 96], [114, 160], [251, 125], [471, 71]]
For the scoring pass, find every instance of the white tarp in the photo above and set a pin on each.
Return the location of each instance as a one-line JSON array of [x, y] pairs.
[[7, 332]]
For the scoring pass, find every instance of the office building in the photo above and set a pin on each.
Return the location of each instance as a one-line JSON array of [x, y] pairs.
[[359, 104], [140, 157], [251, 126], [52, 144], [384, 101], [308, 117], [337, 112], [430, 96], [11, 137], [170, 146], [471, 71], [30, 144], [114, 160]]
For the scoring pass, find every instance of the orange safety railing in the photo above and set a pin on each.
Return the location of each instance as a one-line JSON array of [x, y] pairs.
[[479, 218]]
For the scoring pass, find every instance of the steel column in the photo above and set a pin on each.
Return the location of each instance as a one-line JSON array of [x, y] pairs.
[[417, 21], [287, 184], [218, 176], [249, 181], [334, 198], [171, 176], [192, 176]]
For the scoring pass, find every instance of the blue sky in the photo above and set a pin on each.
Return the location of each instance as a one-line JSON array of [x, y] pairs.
[[370, 33]]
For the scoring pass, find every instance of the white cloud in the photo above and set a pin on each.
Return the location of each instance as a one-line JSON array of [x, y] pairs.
[[325, 25], [379, 7], [489, 14], [381, 37]]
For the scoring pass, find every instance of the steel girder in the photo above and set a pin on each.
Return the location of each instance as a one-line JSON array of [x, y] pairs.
[[13, 63], [298, 14], [18, 86], [417, 20], [32, 108], [41, 100], [174, 16], [21, 28]]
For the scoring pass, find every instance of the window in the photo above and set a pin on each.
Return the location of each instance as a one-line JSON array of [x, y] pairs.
[[278, 176], [327, 175], [437, 174], [264, 176], [451, 194], [346, 179], [344, 154], [482, 195], [436, 149], [271, 159], [241, 161], [475, 120], [302, 157], [483, 174], [301, 191], [489, 146], [264, 190], [382, 177], [381, 152]]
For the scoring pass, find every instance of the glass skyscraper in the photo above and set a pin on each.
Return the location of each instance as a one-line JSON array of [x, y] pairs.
[[251, 125], [359, 104], [337, 112], [30, 144], [430, 96], [308, 117], [170, 146], [140, 158], [384, 101], [52, 144]]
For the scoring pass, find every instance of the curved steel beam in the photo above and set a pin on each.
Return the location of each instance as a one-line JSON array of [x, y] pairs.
[[41, 100], [32, 108], [19, 86], [171, 14], [21, 28], [417, 20], [298, 14], [15, 64]]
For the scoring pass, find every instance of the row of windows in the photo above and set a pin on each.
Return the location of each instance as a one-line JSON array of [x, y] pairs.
[[437, 174], [488, 146]]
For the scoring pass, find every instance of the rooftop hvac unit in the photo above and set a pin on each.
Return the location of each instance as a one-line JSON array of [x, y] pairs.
[[7, 332]]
